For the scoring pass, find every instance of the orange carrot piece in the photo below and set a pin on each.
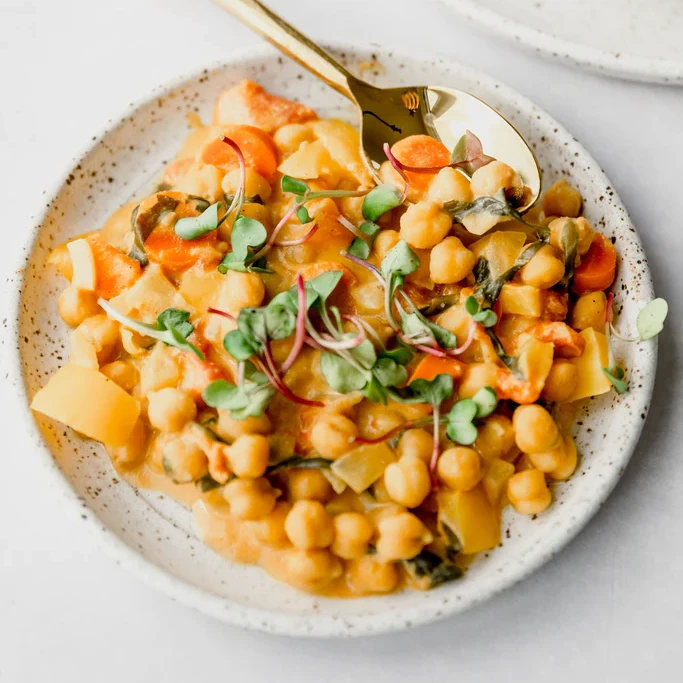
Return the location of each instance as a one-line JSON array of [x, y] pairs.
[[115, 271], [175, 254], [312, 270], [257, 147], [421, 151], [176, 170], [431, 366], [597, 268]]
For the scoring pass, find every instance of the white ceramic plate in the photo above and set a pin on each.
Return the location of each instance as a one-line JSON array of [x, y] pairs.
[[153, 535], [634, 39]]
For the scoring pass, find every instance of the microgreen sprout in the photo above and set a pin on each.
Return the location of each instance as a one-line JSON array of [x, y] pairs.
[[172, 327], [398, 167], [194, 227], [486, 316]]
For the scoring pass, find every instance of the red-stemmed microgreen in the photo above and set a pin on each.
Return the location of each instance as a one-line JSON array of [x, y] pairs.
[[299, 240], [172, 327], [300, 330], [399, 168], [468, 156], [364, 236], [486, 317]]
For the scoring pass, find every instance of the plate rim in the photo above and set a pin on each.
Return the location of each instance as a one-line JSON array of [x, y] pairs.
[[625, 66], [250, 617]]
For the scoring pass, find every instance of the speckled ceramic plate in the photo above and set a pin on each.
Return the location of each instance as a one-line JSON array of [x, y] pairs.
[[153, 535], [634, 39]]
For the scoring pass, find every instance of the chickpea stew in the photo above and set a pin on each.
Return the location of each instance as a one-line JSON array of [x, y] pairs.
[[346, 382]]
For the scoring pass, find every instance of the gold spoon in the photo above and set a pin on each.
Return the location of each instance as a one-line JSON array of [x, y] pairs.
[[391, 114]]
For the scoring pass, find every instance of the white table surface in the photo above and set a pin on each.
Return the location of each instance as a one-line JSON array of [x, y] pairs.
[[608, 608]]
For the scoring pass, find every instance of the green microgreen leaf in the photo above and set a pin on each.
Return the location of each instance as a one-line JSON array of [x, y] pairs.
[[389, 373], [359, 248], [472, 305], [486, 401], [172, 327], [399, 261], [294, 185], [616, 376], [194, 227], [432, 391], [280, 321], [249, 400], [402, 354], [460, 426], [238, 346], [379, 200], [487, 317], [650, 321], [303, 215], [341, 375], [369, 228], [375, 391], [459, 153], [247, 234]]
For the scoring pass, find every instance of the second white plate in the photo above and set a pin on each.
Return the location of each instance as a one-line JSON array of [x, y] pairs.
[[633, 39]]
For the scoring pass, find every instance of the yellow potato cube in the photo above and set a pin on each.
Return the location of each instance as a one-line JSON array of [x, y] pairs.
[[590, 364], [495, 479], [500, 249], [363, 466], [87, 401], [521, 300], [472, 517]]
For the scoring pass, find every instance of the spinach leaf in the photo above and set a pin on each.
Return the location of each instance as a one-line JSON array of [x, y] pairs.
[[144, 222], [569, 241], [429, 566], [300, 463]]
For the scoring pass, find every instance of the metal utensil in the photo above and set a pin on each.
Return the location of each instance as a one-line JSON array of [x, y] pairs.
[[390, 114]]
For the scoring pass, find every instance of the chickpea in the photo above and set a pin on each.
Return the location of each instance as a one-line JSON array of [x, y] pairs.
[[550, 460], [248, 456], [401, 536], [586, 233], [449, 185], [425, 224], [562, 199], [374, 420], [309, 485], [496, 437], [367, 574], [352, 534], [535, 429], [184, 461], [255, 185], [476, 376], [590, 310], [230, 429], [104, 334], [170, 409], [416, 443], [240, 290], [450, 261], [250, 498], [271, 529], [201, 180], [126, 375], [460, 468], [310, 569], [132, 452], [528, 492], [288, 138], [487, 180], [568, 466], [333, 434], [309, 526], [560, 382], [385, 241], [407, 481], [76, 305], [544, 270]]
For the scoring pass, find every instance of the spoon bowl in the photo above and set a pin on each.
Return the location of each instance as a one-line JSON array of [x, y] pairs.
[[387, 115]]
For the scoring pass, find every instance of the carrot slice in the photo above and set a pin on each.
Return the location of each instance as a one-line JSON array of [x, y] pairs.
[[176, 170], [256, 145], [174, 253], [421, 151], [115, 271], [597, 268], [431, 366]]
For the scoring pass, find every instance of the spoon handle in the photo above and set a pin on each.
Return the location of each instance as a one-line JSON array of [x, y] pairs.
[[288, 40]]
